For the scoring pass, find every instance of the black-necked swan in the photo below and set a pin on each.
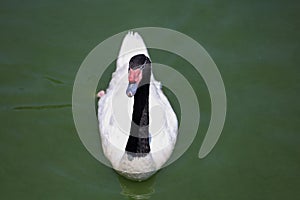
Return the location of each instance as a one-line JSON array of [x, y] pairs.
[[137, 124]]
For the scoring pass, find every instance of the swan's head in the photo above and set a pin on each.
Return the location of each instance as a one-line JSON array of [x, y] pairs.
[[136, 73]]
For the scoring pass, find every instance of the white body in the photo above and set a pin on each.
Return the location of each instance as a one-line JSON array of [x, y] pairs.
[[115, 112]]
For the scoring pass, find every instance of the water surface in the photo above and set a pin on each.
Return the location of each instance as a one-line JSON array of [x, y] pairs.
[[254, 44]]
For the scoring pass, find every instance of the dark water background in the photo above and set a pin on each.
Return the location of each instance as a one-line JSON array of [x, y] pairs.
[[255, 45]]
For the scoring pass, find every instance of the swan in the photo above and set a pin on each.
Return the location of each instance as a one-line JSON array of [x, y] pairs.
[[137, 124]]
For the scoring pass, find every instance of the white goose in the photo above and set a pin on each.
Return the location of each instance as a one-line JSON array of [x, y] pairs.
[[138, 134]]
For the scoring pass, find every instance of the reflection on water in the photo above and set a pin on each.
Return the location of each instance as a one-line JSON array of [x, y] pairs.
[[137, 190]]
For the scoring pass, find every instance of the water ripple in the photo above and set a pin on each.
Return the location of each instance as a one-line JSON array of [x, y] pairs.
[[53, 80], [42, 107]]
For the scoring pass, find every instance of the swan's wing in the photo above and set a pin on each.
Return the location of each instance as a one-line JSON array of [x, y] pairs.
[[114, 125], [163, 125]]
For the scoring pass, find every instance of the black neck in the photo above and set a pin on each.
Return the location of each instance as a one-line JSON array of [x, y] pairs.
[[138, 142]]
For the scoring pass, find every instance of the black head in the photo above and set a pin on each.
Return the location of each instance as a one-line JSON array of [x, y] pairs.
[[138, 73], [139, 61]]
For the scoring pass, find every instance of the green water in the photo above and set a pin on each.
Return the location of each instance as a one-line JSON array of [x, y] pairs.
[[253, 43]]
